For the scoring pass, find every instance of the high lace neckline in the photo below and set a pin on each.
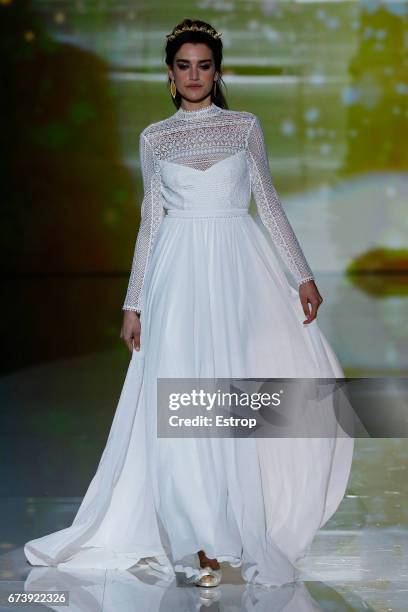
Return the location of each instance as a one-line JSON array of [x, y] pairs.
[[182, 113]]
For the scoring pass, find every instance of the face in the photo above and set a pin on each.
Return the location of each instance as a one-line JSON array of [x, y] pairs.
[[194, 71]]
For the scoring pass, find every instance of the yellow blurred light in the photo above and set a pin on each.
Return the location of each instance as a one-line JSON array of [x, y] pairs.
[[59, 17]]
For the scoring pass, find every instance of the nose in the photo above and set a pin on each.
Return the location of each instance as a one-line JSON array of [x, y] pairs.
[[194, 76]]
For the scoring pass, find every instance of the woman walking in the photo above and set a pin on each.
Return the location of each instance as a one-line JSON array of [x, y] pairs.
[[207, 298]]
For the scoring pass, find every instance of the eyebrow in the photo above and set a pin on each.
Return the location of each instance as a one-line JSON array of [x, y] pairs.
[[180, 59]]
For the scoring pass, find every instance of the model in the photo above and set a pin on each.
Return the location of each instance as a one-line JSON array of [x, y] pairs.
[[207, 297]]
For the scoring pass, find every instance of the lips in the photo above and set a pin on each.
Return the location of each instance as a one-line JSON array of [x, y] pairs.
[[194, 86]]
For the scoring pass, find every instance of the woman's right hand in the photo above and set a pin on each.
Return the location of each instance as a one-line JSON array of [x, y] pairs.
[[130, 332]]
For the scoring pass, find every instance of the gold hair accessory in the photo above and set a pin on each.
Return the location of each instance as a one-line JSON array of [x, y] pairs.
[[194, 28]]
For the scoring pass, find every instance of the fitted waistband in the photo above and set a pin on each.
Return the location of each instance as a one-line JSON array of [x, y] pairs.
[[207, 212]]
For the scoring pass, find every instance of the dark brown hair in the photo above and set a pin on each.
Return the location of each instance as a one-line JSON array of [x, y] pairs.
[[194, 36]]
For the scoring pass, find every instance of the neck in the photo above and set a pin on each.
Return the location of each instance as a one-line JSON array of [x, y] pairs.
[[197, 113]]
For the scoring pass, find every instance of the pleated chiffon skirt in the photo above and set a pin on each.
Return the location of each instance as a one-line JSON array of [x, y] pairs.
[[217, 304]]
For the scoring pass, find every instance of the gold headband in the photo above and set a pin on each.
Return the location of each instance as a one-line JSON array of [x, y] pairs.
[[194, 28]]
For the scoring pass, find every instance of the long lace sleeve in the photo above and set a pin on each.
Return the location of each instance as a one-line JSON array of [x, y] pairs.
[[152, 212], [270, 208]]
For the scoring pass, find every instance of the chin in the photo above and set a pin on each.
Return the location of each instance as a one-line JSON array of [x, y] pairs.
[[195, 96]]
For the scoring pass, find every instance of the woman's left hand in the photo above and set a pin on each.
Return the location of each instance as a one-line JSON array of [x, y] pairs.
[[308, 292]]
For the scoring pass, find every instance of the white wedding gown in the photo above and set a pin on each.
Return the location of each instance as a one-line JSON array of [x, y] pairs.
[[214, 302]]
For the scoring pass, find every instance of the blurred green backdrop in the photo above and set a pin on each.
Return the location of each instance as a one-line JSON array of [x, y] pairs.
[[329, 81]]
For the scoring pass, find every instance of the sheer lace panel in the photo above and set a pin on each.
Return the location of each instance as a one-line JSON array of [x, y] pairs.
[[270, 208], [202, 161], [200, 139]]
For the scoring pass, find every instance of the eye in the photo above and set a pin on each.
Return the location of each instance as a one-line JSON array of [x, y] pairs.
[[205, 66]]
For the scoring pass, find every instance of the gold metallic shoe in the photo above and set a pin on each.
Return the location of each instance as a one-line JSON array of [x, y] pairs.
[[208, 577]]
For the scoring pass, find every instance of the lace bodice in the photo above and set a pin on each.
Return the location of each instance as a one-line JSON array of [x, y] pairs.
[[200, 139]]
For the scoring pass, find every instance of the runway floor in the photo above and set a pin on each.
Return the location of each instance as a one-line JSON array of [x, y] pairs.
[[364, 569]]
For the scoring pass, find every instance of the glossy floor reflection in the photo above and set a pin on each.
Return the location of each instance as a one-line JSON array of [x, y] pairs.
[[140, 589], [363, 569]]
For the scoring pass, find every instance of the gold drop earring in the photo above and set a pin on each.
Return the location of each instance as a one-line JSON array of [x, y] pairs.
[[173, 88]]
